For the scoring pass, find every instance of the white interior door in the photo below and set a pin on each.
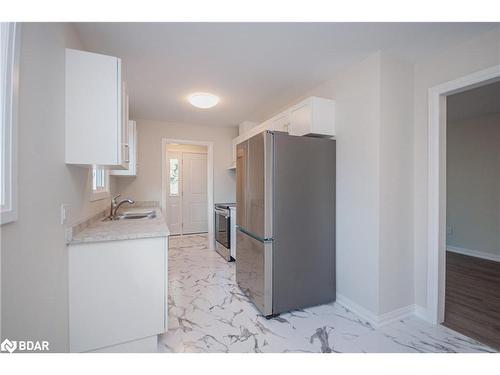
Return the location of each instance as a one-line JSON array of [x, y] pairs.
[[194, 199], [174, 191]]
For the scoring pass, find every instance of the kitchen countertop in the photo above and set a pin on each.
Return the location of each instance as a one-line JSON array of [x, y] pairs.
[[115, 230]]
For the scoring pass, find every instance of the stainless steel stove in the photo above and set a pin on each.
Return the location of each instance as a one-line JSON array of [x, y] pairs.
[[223, 224]]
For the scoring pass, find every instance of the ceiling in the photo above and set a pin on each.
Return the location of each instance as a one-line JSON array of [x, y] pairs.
[[480, 101], [256, 68]]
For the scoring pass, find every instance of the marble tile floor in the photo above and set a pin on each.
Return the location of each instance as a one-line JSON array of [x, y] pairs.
[[209, 313]]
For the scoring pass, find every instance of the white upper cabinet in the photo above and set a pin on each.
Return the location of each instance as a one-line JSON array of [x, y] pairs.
[[280, 122], [313, 116], [132, 150], [96, 111], [233, 160], [125, 137]]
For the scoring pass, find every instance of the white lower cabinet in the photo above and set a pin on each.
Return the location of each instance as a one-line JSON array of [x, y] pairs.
[[145, 345], [117, 294]]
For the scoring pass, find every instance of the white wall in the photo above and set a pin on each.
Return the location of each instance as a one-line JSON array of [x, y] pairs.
[[147, 184], [473, 55], [246, 126], [34, 253], [357, 119], [396, 263], [374, 133], [473, 183]]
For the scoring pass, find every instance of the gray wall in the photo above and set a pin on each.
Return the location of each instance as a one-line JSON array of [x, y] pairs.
[[473, 184], [34, 253]]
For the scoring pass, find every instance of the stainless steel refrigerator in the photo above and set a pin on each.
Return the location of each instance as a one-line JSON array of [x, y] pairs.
[[285, 221]]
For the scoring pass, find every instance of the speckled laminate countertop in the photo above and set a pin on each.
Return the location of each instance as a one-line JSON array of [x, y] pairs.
[[128, 229]]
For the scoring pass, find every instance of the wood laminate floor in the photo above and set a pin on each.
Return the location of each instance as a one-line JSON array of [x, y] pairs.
[[473, 298]]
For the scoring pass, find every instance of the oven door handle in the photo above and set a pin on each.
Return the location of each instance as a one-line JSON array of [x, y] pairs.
[[222, 213]]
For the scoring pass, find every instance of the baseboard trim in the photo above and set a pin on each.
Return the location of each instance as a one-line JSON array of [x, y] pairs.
[[473, 253], [422, 313], [377, 321], [363, 313], [396, 315]]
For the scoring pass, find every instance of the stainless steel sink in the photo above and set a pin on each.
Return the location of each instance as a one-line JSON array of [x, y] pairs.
[[137, 215], [133, 216]]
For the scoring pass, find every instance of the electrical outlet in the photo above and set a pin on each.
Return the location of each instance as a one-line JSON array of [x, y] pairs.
[[449, 230], [68, 233]]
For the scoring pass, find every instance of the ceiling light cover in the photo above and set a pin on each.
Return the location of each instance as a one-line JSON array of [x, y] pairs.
[[203, 100]]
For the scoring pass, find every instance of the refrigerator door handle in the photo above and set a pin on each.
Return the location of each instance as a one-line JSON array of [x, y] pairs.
[[255, 237]]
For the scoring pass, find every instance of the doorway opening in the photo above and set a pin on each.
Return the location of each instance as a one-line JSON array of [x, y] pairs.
[[187, 187], [472, 287], [438, 228]]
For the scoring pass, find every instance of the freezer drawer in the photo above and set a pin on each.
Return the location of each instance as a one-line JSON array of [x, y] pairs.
[[254, 270]]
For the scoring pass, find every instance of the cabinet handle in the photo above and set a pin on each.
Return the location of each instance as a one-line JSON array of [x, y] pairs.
[[127, 160]]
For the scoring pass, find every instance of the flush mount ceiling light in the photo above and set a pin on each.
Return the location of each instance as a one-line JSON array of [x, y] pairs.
[[203, 100]]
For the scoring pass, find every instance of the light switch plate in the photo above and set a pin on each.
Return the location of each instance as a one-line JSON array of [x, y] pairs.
[[63, 213]]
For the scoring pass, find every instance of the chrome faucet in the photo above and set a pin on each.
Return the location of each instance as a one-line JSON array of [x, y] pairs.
[[115, 206]]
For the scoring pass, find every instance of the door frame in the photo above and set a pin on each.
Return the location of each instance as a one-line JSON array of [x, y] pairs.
[[210, 181], [436, 188]]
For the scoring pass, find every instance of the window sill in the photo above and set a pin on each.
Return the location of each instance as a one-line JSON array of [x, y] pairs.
[[8, 216]]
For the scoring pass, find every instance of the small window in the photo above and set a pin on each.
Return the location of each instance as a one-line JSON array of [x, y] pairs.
[[9, 88], [174, 177], [100, 183]]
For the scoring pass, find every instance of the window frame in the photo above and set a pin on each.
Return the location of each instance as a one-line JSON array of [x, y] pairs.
[[99, 193], [178, 178], [9, 124]]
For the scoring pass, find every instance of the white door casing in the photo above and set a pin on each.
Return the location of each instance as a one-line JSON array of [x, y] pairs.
[[436, 188], [210, 181], [194, 193], [174, 212]]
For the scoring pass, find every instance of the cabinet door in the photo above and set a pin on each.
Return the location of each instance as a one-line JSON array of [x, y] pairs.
[[132, 142], [301, 120], [233, 159], [125, 145], [117, 292], [132, 135], [93, 109], [280, 123]]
